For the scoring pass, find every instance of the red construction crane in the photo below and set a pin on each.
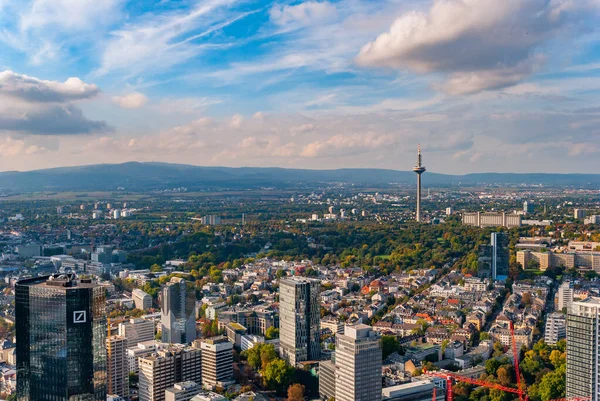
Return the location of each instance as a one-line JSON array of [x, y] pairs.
[[520, 390], [516, 360]]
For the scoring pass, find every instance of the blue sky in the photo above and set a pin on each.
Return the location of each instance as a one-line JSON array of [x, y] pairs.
[[483, 85]]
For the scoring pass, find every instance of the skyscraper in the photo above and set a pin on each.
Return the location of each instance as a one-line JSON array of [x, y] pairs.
[[494, 258], [419, 169], [500, 255], [358, 364], [582, 349], [117, 366], [61, 334], [299, 319], [178, 320]]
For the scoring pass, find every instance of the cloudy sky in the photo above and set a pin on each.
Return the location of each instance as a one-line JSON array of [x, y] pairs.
[[483, 85]]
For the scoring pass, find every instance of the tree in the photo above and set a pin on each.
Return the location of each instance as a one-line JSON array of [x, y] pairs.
[[553, 384], [504, 376], [389, 345], [272, 333], [277, 374], [156, 268], [296, 392], [484, 335], [557, 358]]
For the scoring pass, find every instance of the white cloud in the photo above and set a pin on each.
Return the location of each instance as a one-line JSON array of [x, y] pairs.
[[37, 90], [30, 105], [480, 44], [310, 12], [353, 144], [161, 41], [10, 147], [69, 15], [132, 100], [236, 121], [46, 29]]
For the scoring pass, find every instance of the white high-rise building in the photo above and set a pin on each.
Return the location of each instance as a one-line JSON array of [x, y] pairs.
[[358, 364], [299, 319], [565, 295], [137, 331], [556, 328], [117, 366], [583, 349]]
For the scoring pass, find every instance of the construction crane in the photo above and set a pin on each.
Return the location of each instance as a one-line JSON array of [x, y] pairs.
[[520, 390], [516, 361]]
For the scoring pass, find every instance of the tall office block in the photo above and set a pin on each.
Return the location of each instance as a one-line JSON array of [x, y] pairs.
[[61, 334], [136, 331], [419, 169], [299, 319], [494, 258], [178, 310], [528, 207], [217, 361], [582, 349], [166, 367], [500, 255], [358, 364], [117, 366], [141, 300]]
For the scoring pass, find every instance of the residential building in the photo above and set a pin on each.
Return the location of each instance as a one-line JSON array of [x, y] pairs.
[[299, 319], [183, 391], [565, 295], [556, 328], [168, 366], [528, 207], [583, 349], [117, 366], [61, 334], [178, 312], [136, 331], [358, 364], [579, 213], [217, 361], [142, 300]]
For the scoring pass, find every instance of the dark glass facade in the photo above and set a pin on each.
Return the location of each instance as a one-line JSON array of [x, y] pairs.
[[493, 259], [61, 333]]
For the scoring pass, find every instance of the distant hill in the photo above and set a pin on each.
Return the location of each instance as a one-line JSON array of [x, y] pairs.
[[149, 176]]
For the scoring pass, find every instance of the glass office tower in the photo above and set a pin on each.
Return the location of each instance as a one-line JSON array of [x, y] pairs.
[[61, 334]]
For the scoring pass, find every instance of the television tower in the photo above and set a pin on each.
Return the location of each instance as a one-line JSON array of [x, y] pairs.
[[419, 169]]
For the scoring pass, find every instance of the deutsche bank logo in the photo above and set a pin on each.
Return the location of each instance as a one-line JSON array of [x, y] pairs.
[[79, 316]]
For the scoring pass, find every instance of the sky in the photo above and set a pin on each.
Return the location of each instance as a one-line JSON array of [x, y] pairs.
[[482, 85]]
